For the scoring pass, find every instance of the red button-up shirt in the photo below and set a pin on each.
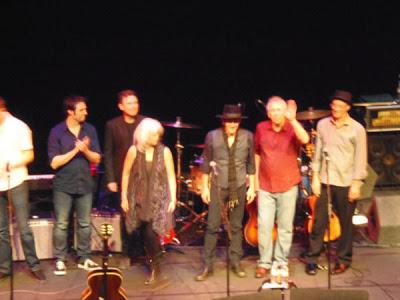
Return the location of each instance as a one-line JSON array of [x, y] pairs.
[[279, 169]]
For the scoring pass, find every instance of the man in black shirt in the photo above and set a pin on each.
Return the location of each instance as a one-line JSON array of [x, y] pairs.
[[229, 157], [72, 146], [118, 138]]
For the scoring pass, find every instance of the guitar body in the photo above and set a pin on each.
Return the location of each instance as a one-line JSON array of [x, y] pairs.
[[251, 227], [96, 280], [334, 222]]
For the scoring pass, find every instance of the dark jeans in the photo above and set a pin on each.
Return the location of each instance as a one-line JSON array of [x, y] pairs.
[[214, 222], [20, 196], [63, 203], [344, 210]]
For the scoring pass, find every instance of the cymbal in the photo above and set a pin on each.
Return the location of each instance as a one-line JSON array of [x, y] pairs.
[[179, 124], [312, 114]]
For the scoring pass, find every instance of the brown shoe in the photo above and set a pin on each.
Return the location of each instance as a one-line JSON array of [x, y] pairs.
[[261, 272], [339, 268], [204, 274]]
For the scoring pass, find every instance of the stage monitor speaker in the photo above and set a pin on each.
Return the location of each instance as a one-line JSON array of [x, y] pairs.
[[318, 293], [263, 295], [43, 234], [383, 218], [384, 157]]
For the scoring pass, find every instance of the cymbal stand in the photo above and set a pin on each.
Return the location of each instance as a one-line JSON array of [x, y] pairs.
[[179, 151]]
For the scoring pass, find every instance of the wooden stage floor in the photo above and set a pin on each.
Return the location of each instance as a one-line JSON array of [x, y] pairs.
[[375, 269]]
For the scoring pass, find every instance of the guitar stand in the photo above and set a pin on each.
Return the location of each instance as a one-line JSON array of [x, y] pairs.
[[270, 285], [197, 218]]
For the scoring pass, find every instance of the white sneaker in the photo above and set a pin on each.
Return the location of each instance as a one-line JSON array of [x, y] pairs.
[[284, 271], [88, 265], [61, 269], [275, 273]]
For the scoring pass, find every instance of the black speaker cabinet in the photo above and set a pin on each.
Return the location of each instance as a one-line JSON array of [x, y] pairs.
[[335, 294], [384, 157], [263, 295]]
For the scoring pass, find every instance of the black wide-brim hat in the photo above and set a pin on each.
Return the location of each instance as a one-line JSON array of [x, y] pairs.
[[231, 112], [344, 96]]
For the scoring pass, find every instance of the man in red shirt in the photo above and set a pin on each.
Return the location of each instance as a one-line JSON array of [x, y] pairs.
[[277, 145]]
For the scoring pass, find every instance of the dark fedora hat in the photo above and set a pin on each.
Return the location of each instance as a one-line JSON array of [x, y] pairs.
[[231, 112], [343, 96]]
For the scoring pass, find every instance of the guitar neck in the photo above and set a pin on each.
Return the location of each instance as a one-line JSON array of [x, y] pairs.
[[105, 253]]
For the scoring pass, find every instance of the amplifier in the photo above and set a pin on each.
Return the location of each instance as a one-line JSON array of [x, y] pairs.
[[381, 117], [97, 219], [43, 234]]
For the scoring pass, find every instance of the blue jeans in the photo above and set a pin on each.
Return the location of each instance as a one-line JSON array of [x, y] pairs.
[[62, 206], [19, 196], [281, 206]]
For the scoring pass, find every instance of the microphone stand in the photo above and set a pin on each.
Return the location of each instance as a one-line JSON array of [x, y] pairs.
[[225, 220], [11, 231], [329, 204]]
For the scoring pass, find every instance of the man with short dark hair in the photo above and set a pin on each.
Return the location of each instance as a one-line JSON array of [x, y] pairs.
[[119, 137], [72, 146], [117, 140], [344, 141], [16, 152]]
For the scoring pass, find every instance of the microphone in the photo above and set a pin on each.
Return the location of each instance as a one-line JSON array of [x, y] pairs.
[[260, 102], [261, 107], [8, 169], [213, 166], [326, 154]]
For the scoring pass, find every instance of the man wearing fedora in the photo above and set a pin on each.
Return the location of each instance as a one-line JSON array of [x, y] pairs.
[[277, 146], [342, 141], [228, 158]]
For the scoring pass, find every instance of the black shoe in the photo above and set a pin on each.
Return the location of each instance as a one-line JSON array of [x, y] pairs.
[[38, 274], [204, 274], [311, 268], [238, 270], [3, 275]]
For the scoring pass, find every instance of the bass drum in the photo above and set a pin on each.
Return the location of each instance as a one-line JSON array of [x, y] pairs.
[[194, 182]]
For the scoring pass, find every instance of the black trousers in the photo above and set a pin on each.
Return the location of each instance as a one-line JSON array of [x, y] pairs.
[[151, 241], [214, 222], [344, 210]]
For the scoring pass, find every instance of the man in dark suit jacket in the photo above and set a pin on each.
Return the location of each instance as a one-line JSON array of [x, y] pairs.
[[118, 138]]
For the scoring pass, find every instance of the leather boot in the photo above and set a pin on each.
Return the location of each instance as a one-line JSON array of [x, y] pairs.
[[157, 279]]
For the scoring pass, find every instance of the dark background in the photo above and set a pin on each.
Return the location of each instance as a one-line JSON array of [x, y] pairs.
[[188, 59]]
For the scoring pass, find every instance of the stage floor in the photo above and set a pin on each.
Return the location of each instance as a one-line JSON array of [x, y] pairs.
[[375, 269]]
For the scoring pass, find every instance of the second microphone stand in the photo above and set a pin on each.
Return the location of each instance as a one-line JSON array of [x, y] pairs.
[[329, 212]]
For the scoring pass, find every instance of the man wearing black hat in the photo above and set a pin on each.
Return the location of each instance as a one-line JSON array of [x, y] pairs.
[[342, 142], [229, 157]]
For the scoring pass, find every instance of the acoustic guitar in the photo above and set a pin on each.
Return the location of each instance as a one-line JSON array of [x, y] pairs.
[[104, 283], [251, 227], [334, 222]]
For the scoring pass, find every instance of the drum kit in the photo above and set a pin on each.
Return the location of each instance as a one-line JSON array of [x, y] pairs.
[[188, 189]]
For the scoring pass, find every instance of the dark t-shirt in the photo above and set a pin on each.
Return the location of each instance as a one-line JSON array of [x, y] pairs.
[[74, 177]]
